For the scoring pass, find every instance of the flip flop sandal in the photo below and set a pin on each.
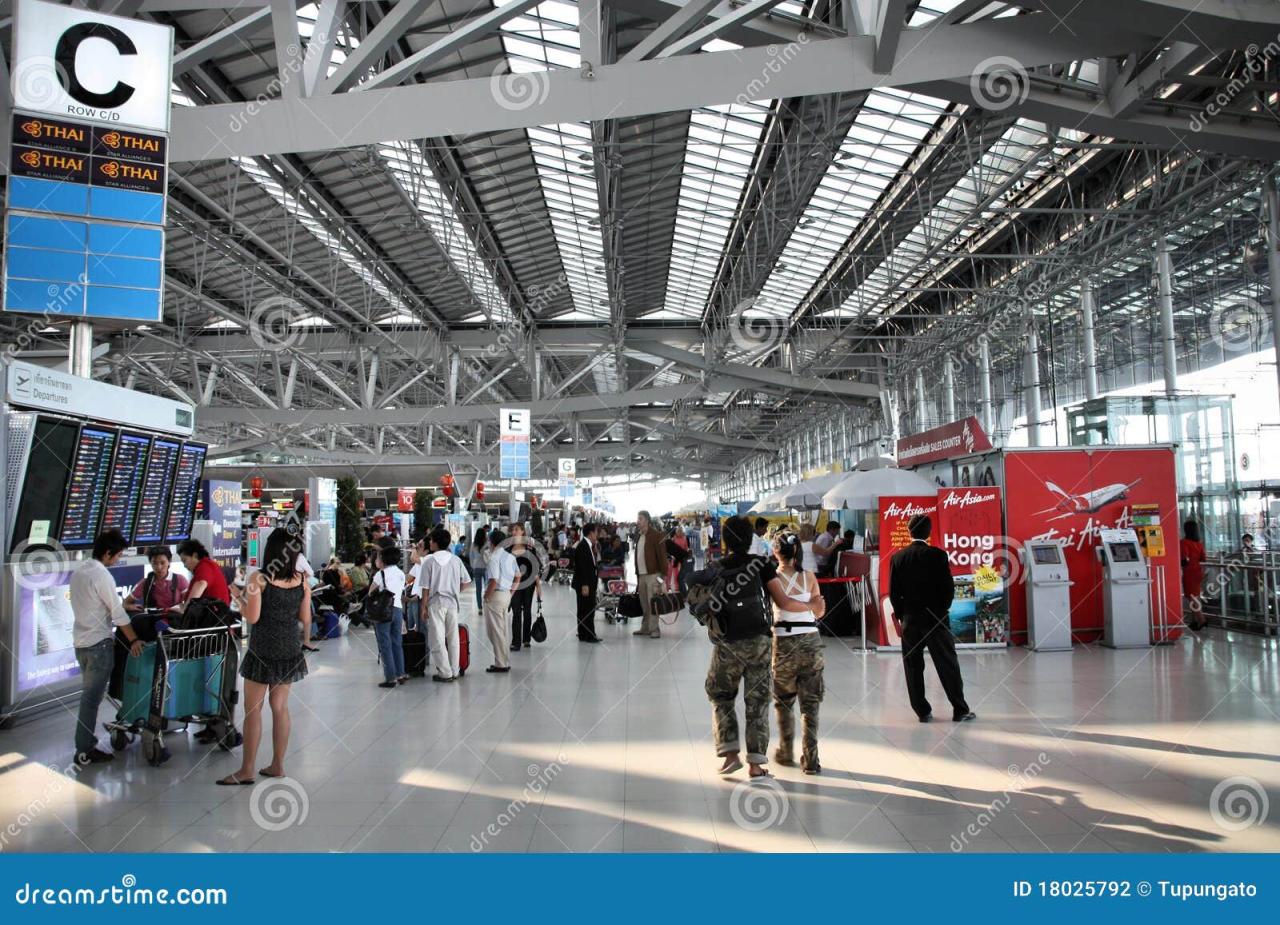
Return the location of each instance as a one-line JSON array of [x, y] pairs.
[[225, 782], [263, 772], [735, 766]]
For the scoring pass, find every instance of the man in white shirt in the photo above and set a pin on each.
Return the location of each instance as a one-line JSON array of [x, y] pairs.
[[97, 608], [760, 543], [441, 578], [822, 545], [503, 576]]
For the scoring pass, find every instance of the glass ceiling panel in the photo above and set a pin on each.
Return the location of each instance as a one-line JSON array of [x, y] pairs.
[[722, 140], [545, 38]]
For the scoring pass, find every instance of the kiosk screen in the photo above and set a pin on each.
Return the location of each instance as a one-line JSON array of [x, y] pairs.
[[1123, 552], [124, 489], [1046, 555], [87, 491], [186, 490], [53, 443], [157, 486]]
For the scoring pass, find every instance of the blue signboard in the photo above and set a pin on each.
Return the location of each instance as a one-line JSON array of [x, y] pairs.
[[84, 225], [222, 506]]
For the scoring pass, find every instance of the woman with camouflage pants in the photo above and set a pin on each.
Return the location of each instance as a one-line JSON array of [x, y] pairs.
[[797, 657]]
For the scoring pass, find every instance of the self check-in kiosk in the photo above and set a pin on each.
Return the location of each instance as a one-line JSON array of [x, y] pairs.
[[1048, 596], [1126, 591]]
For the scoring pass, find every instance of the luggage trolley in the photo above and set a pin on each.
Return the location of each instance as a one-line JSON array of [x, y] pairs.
[[563, 575], [185, 676], [613, 577]]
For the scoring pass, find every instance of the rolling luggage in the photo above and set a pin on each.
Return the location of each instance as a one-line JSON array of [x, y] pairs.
[[464, 649], [415, 653], [192, 687]]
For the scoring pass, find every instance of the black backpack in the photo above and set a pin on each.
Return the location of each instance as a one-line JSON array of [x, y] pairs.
[[734, 606]]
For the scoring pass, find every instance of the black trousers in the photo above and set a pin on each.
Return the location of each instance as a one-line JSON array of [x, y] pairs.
[[918, 634], [586, 614], [521, 616]]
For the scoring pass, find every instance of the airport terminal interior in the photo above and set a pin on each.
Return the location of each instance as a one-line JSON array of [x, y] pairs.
[[640, 426]]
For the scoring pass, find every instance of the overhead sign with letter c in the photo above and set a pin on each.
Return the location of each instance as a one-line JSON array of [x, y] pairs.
[[85, 65]]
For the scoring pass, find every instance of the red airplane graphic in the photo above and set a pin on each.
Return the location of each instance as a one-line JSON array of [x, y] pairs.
[[1088, 503]]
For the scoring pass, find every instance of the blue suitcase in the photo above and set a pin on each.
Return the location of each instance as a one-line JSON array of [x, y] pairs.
[[192, 687], [327, 626]]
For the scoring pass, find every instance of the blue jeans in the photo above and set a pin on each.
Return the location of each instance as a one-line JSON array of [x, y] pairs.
[[411, 614], [478, 577], [95, 673], [390, 647]]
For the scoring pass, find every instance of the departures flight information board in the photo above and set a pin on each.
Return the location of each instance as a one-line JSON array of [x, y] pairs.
[[157, 486], [124, 490], [186, 489], [87, 486]]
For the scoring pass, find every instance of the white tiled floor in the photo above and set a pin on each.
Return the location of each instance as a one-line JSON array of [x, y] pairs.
[[607, 748]]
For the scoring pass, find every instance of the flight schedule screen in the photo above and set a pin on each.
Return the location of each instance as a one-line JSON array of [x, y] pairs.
[[186, 486], [157, 485], [124, 490], [87, 486]]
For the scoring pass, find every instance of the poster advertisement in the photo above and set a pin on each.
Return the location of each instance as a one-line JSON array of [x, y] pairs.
[[404, 500], [45, 652], [895, 513], [968, 528], [221, 501], [1075, 494]]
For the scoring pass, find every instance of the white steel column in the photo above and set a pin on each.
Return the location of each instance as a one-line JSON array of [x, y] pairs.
[[984, 383], [1090, 344], [1164, 288], [80, 361], [949, 387], [1031, 385], [1272, 199], [922, 417]]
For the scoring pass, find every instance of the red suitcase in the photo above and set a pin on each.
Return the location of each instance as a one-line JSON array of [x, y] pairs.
[[464, 649]]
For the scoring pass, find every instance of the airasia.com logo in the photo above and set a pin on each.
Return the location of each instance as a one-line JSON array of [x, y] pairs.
[[967, 500], [910, 510]]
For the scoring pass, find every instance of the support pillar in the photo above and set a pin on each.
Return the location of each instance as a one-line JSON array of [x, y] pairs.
[[1031, 384], [1272, 199], [984, 384], [80, 361], [1090, 344], [1164, 291], [949, 387]]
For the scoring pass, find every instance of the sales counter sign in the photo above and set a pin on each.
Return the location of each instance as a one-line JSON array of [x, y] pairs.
[[88, 159]]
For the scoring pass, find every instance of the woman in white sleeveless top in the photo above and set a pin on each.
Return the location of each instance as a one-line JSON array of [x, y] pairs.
[[797, 657]]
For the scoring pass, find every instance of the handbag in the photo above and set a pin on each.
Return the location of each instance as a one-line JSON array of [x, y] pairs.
[[629, 605], [204, 613], [379, 604], [538, 632], [669, 602]]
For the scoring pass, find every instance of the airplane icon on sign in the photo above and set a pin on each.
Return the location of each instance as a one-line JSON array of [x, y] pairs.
[[1088, 503]]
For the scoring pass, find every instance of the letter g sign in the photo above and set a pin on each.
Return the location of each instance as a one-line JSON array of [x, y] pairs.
[[65, 55]]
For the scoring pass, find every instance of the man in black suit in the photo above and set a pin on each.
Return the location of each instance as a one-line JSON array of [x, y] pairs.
[[921, 590], [586, 580]]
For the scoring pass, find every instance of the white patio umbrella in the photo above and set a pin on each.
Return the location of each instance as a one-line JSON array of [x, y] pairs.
[[807, 495], [771, 502], [862, 490]]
